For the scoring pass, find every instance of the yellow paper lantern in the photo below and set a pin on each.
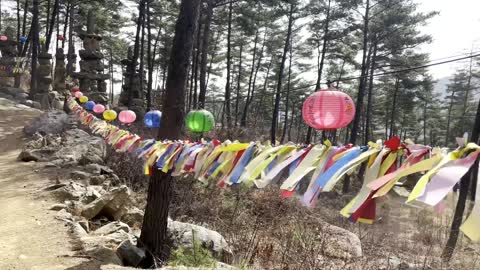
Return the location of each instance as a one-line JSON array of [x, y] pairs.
[[83, 99], [109, 115]]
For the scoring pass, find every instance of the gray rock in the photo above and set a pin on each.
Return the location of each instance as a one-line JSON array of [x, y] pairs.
[[130, 254], [77, 230], [21, 106], [78, 145], [53, 122], [112, 227], [97, 179], [72, 191], [21, 96], [37, 105], [28, 155], [112, 204], [134, 217], [85, 225], [340, 243], [79, 175], [92, 193], [396, 263], [105, 255], [58, 207], [98, 169], [63, 215], [182, 234], [28, 103]]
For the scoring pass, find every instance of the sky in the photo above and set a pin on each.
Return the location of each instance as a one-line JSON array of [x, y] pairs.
[[455, 31]]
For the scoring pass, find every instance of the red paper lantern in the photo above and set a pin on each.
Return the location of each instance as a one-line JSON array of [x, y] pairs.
[[60, 37], [75, 89], [328, 109]]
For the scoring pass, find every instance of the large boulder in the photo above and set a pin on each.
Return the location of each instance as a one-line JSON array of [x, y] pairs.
[[130, 254], [112, 227], [112, 205], [340, 243], [184, 235], [79, 146], [53, 122]]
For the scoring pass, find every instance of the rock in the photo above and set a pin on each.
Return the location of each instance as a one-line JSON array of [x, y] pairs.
[[105, 255], [54, 187], [21, 97], [340, 243], [97, 179], [58, 207], [21, 106], [28, 155], [130, 254], [72, 191], [182, 235], [84, 224], [218, 266], [53, 122], [98, 169], [28, 103], [396, 263], [77, 230], [79, 175], [89, 159], [78, 144], [37, 105], [112, 204], [112, 227], [92, 193], [63, 215], [134, 217]]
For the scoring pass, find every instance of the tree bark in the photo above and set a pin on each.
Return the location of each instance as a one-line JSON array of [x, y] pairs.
[[67, 17], [203, 59], [370, 94], [237, 96], [141, 69], [229, 60], [154, 229], [197, 58], [35, 41], [447, 134], [361, 89], [51, 25], [71, 43], [136, 51], [149, 58], [243, 121], [280, 77], [287, 95], [394, 104]]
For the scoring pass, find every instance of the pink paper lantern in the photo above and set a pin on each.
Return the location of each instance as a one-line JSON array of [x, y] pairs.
[[75, 89], [3, 38], [98, 108], [328, 109], [78, 94], [127, 117]]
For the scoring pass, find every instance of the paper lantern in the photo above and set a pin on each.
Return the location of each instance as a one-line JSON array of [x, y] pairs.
[[98, 108], [109, 115], [127, 117], [78, 94], [23, 39], [60, 37], [75, 89], [3, 38], [200, 121], [152, 119], [328, 109], [83, 99], [89, 105], [42, 40]]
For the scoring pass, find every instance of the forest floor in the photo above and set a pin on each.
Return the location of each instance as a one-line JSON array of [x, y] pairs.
[[30, 236]]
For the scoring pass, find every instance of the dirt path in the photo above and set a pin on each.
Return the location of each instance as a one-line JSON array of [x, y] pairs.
[[30, 236]]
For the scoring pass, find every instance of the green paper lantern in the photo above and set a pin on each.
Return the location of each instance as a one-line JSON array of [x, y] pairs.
[[200, 121]]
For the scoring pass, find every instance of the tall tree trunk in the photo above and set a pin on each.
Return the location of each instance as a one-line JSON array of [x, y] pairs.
[[47, 15], [276, 107], [229, 60], [243, 121], [287, 97], [67, 17], [294, 116], [35, 41], [239, 78], [465, 100], [447, 133], [19, 48], [425, 122], [136, 51], [25, 13], [212, 57], [264, 91], [51, 25], [250, 78], [141, 69], [149, 58], [370, 94], [321, 62], [71, 43], [154, 229], [394, 104], [111, 76], [197, 59], [204, 55], [361, 89]]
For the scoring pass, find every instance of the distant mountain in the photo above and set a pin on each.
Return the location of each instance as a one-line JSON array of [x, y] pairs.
[[440, 86]]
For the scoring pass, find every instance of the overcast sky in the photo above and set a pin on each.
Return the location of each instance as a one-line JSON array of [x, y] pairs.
[[455, 30]]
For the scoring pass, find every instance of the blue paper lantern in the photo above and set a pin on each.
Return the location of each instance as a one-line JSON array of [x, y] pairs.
[[89, 105], [23, 39], [152, 119]]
